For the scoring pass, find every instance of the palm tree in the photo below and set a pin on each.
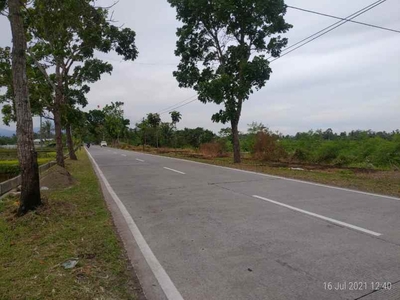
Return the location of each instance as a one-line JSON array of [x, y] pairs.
[[176, 117]]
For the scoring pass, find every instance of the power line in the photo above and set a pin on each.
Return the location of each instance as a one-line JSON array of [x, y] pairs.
[[324, 31], [195, 99], [309, 38], [154, 64], [343, 19], [326, 28], [172, 106]]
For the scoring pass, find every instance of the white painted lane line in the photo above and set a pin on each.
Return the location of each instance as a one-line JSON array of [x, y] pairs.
[[138, 159], [273, 176], [174, 170], [163, 279], [320, 217], [115, 152], [123, 154]]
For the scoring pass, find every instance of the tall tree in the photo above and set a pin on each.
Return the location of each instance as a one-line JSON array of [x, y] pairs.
[[64, 37], [95, 125], [47, 128], [142, 127], [154, 120], [255, 128], [72, 113], [39, 91], [30, 188], [114, 121], [166, 134], [229, 38], [176, 116]]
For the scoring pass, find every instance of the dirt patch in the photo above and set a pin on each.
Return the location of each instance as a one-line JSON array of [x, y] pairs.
[[57, 178]]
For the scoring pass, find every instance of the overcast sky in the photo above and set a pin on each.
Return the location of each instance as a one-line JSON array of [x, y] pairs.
[[348, 79]]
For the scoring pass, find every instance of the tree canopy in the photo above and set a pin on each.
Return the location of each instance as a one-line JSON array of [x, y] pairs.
[[222, 46]]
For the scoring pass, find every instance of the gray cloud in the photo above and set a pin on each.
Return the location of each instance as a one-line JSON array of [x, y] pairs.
[[347, 79]]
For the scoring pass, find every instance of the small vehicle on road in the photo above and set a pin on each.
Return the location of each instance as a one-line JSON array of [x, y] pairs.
[[103, 144]]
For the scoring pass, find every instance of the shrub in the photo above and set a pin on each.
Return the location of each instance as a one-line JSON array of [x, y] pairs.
[[328, 152], [301, 155], [343, 160], [214, 149], [266, 147]]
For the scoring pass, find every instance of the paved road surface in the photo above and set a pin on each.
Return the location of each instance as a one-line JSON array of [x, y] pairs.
[[216, 233]]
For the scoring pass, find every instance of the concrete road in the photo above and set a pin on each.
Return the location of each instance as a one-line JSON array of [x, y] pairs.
[[208, 232]]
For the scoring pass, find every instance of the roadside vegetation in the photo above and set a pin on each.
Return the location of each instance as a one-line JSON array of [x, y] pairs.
[[356, 149], [9, 164], [73, 223], [363, 160]]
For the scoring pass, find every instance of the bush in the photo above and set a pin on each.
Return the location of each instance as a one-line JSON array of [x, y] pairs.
[[343, 160], [11, 167], [214, 149], [386, 154], [301, 155], [266, 147], [328, 152]]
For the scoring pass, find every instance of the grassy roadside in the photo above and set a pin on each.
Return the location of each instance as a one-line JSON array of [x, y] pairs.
[[74, 223], [11, 167], [373, 181]]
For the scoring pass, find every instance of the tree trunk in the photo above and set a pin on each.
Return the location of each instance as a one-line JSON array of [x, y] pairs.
[[157, 137], [27, 156], [144, 139], [236, 142], [57, 119], [175, 138], [70, 142]]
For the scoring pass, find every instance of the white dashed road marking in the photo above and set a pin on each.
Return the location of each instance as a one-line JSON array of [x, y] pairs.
[[174, 170], [320, 217]]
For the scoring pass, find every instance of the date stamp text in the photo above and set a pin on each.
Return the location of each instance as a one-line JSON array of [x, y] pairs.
[[357, 286]]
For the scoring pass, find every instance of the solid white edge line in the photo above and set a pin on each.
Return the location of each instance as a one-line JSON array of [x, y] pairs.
[[320, 217], [174, 170], [161, 275], [138, 159], [277, 177]]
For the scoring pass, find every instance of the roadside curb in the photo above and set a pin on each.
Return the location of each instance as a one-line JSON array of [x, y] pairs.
[[145, 277]]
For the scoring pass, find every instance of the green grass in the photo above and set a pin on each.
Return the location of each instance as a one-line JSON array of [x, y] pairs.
[[73, 223], [11, 167], [11, 154]]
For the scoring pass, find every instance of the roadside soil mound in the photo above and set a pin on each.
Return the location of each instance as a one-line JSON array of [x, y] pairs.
[[57, 178]]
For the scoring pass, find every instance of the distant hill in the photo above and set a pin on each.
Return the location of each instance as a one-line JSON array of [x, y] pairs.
[[6, 132], [10, 132]]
